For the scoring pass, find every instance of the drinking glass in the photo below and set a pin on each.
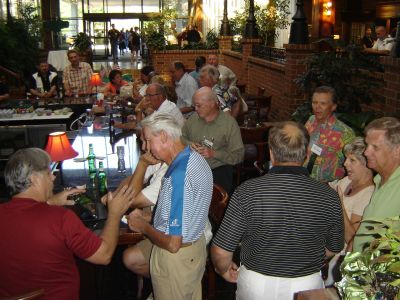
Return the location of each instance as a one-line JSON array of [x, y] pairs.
[[121, 159]]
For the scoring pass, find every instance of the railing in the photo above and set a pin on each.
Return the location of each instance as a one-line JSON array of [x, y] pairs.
[[269, 53]]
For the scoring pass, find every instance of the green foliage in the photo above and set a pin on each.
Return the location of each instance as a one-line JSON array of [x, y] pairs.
[[375, 272], [19, 39], [82, 42], [155, 31], [269, 17], [348, 70]]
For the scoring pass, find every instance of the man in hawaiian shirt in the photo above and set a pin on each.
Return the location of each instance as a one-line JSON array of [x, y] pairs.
[[328, 135]]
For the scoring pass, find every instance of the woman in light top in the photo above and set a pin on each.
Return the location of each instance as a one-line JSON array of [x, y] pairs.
[[113, 87], [355, 191]]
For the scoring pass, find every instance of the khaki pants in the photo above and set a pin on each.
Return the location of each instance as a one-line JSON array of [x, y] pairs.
[[178, 275]]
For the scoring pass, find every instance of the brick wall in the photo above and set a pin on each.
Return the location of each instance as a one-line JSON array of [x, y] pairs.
[[278, 79], [161, 60]]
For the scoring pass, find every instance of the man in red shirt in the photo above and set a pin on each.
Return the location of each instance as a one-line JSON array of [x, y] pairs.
[[39, 240]]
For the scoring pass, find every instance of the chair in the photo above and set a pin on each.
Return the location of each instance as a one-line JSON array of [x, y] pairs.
[[216, 213], [34, 294], [255, 140]]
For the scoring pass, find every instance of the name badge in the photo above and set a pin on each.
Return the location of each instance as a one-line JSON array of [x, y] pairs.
[[316, 149]]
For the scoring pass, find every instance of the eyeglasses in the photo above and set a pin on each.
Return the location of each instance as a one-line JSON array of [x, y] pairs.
[[151, 95]]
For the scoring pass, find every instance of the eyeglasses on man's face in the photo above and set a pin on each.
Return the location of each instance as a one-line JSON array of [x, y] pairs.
[[151, 95]]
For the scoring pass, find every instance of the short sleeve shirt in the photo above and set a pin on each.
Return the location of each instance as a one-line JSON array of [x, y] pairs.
[[185, 197]]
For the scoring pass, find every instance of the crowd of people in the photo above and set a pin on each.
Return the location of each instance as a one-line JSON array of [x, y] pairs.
[[307, 208]]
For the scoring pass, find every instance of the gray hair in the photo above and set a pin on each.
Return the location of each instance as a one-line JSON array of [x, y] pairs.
[[324, 89], [21, 165], [158, 122], [211, 71], [160, 89], [357, 148], [288, 142], [391, 127]]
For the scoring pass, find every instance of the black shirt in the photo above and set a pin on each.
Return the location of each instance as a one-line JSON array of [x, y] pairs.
[[285, 220], [45, 80], [3, 89]]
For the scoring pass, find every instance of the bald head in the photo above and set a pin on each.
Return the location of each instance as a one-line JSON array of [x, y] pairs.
[[288, 142], [206, 103]]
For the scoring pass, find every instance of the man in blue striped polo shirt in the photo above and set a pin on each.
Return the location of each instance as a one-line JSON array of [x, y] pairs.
[[179, 253]]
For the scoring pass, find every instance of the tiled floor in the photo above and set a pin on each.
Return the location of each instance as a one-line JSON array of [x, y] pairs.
[[124, 62]]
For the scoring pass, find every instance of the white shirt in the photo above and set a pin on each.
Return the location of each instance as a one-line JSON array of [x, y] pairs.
[[171, 108], [185, 88], [385, 44], [157, 172]]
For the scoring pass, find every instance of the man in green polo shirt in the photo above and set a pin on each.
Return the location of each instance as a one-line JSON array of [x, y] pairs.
[[382, 137]]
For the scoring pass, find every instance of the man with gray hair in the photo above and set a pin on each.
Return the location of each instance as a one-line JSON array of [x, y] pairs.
[[215, 135], [210, 77], [285, 221], [382, 137], [178, 255], [38, 241]]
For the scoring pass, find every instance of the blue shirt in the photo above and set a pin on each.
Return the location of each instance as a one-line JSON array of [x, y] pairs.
[[185, 196]]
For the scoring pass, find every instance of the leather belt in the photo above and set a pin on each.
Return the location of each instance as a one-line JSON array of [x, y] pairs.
[[184, 245]]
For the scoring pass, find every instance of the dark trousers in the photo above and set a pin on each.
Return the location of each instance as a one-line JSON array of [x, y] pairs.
[[223, 176]]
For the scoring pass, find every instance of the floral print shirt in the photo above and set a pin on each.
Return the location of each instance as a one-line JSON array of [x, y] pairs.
[[331, 137]]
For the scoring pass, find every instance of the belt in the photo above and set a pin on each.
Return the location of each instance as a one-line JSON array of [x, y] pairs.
[[184, 245]]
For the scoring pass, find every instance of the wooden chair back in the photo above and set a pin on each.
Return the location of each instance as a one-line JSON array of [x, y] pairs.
[[219, 202]]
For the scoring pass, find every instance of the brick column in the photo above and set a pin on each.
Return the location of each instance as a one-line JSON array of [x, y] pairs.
[[225, 43], [292, 95], [247, 50], [391, 91]]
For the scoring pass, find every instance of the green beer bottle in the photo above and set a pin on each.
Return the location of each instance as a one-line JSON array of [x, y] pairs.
[[92, 162], [102, 180]]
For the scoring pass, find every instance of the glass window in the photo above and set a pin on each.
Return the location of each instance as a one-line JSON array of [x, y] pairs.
[[96, 6], [151, 6], [133, 6]]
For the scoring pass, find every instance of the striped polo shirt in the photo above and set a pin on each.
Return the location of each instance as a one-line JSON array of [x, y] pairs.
[[284, 220], [185, 196]]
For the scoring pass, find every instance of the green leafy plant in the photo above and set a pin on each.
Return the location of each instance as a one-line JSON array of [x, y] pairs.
[[375, 272], [82, 42], [348, 70], [269, 17]]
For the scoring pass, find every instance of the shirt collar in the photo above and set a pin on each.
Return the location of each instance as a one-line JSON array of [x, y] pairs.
[[297, 170]]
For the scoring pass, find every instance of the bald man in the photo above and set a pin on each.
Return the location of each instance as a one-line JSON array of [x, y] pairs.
[[215, 135], [383, 44], [224, 71]]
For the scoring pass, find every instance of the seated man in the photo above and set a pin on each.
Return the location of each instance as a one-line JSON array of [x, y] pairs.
[[384, 43], [185, 86], [210, 76], [215, 135], [180, 217], [77, 75], [44, 82], [39, 241], [224, 71]]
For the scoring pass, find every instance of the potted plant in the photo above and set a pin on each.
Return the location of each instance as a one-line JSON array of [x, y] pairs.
[[83, 44], [374, 274]]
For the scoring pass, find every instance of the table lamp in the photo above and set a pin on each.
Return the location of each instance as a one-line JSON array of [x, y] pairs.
[[96, 80], [59, 147]]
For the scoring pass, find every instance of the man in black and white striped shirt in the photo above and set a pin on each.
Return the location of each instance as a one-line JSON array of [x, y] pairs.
[[286, 222]]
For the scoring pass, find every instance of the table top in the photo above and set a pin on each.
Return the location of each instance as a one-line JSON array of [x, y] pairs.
[[77, 173], [35, 117]]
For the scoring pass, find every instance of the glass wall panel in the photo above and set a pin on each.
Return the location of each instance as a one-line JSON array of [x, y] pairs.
[[151, 6], [133, 6], [96, 6], [114, 6]]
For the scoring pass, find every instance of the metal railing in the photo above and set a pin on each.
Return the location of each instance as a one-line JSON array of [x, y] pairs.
[[270, 53]]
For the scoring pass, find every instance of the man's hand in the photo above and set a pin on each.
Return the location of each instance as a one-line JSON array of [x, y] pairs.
[[61, 198], [136, 220], [119, 201], [149, 159], [204, 151], [231, 275]]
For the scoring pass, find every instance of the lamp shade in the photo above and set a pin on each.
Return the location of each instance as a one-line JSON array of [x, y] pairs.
[[59, 147], [95, 80]]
